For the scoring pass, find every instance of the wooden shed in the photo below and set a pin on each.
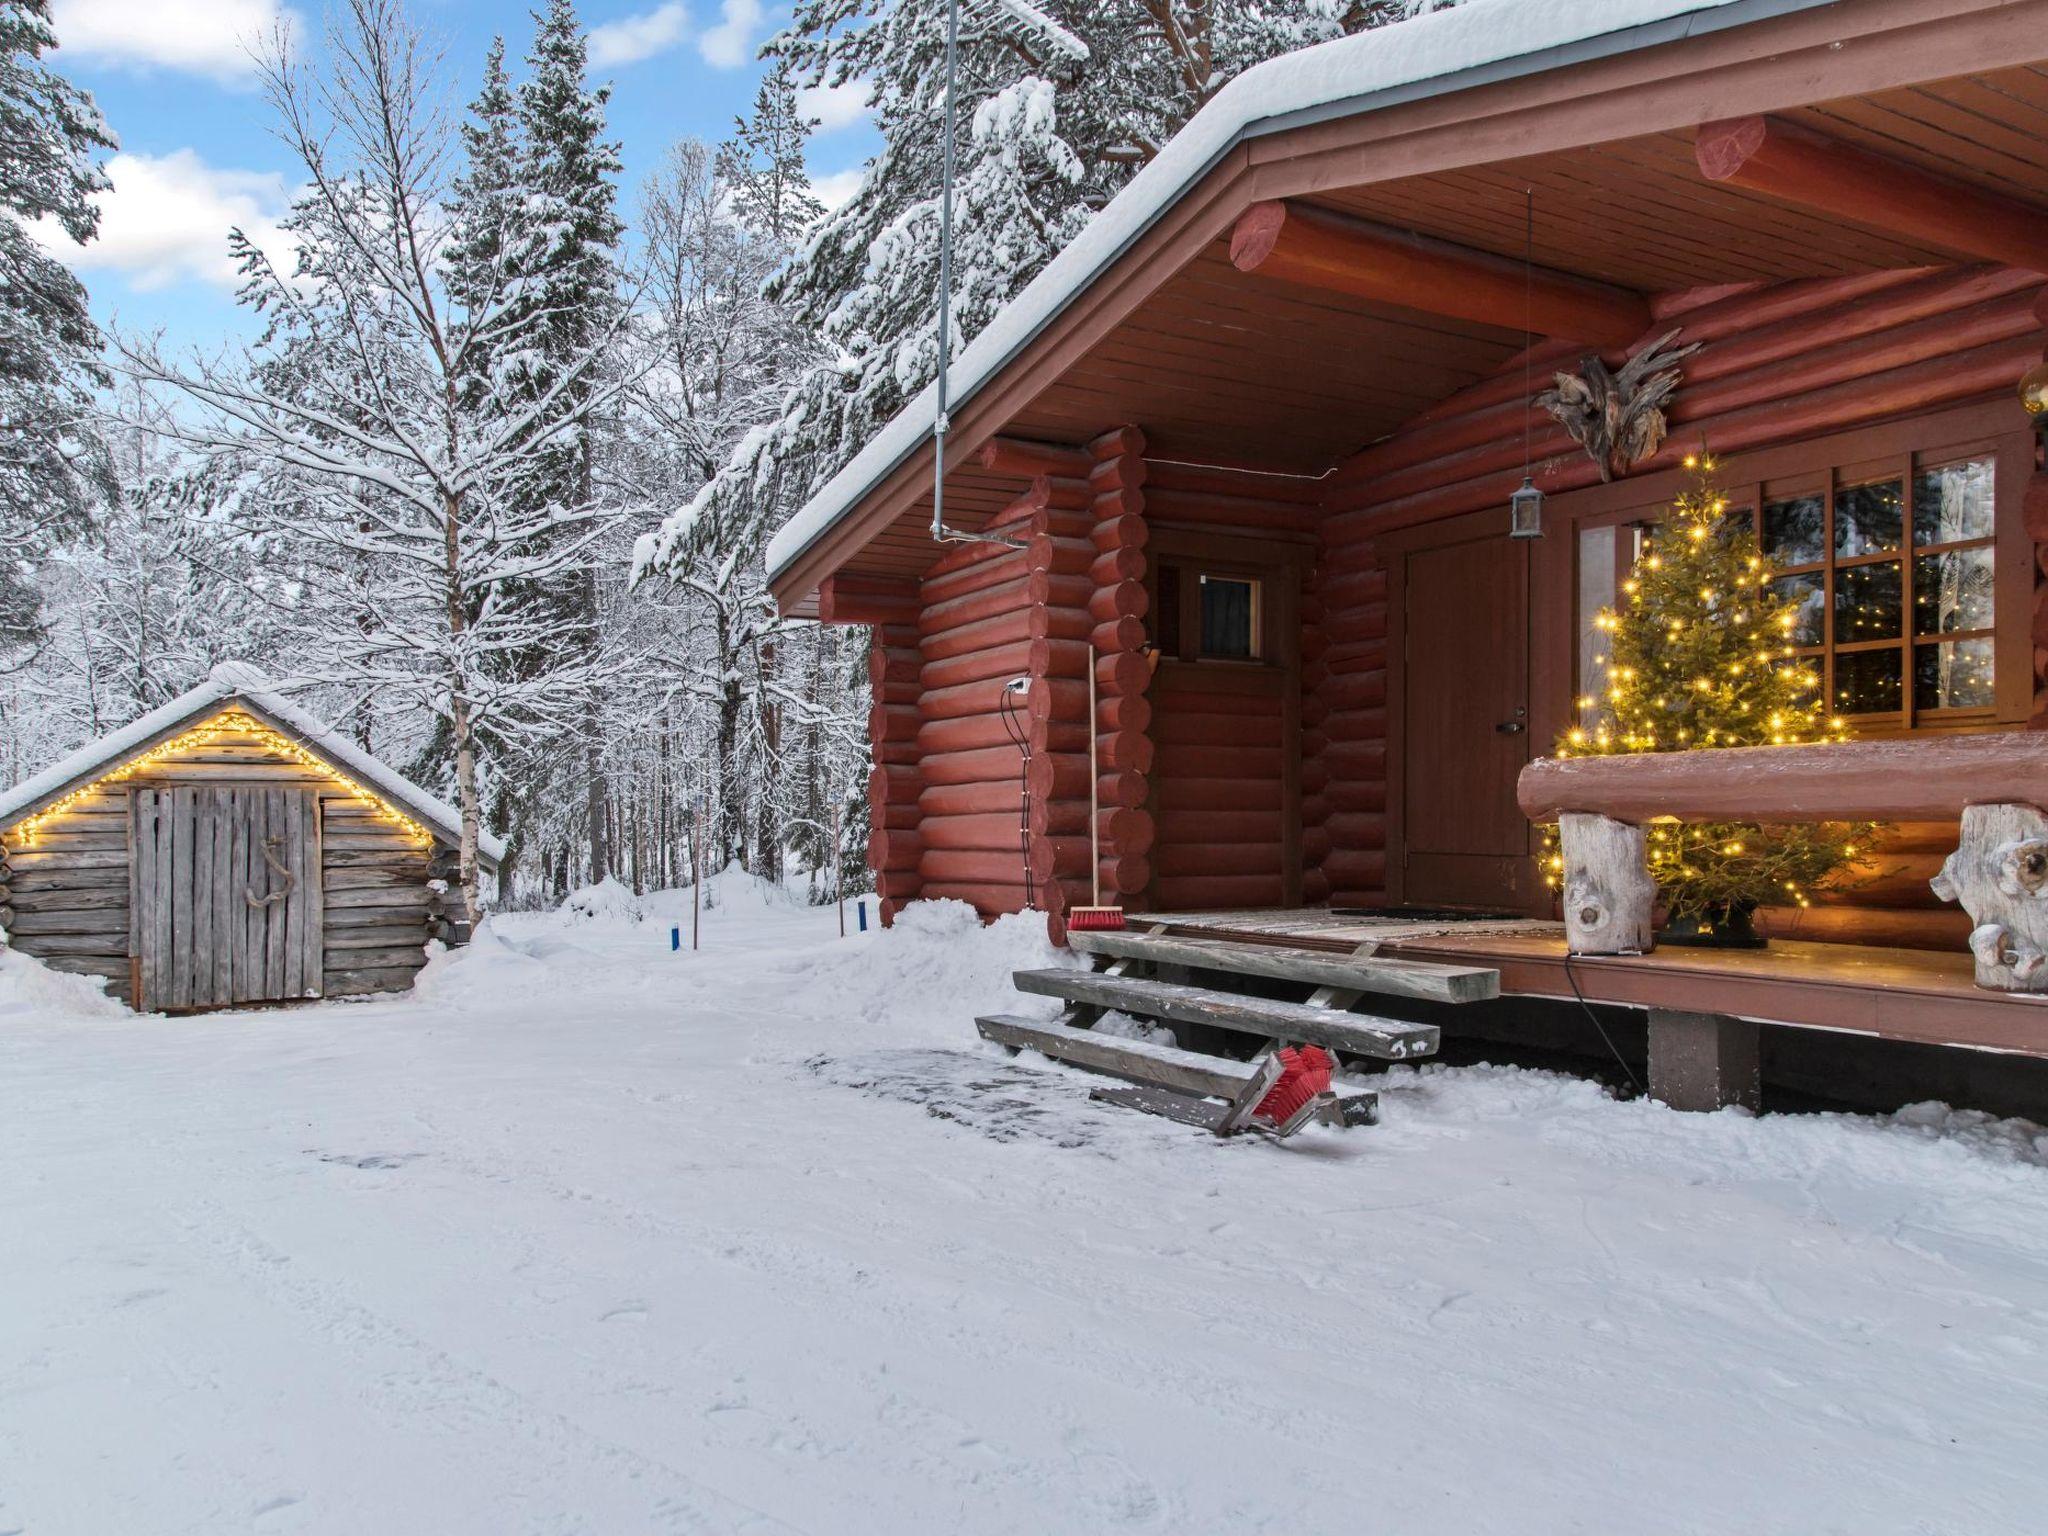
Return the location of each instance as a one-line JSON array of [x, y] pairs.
[[1250, 443], [229, 849]]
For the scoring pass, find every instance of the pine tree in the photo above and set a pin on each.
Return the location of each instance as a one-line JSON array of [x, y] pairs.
[[762, 165], [568, 285], [53, 466], [1698, 658]]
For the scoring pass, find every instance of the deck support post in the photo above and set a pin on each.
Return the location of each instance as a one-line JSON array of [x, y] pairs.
[[1608, 892], [1704, 1061]]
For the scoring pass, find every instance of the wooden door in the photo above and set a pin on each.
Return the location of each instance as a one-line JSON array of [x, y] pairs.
[[1225, 786], [1466, 725], [225, 903]]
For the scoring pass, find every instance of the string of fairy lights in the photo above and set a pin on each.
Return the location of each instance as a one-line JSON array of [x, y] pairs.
[[1701, 653], [233, 723]]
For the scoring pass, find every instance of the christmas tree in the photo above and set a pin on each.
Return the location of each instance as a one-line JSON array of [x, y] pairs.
[[1698, 657]]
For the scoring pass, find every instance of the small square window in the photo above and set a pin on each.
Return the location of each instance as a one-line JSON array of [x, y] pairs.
[[1230, 618], [1953, 503], [1869, 519]]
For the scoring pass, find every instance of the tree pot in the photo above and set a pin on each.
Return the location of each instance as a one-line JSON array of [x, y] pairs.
[[1722, 925]]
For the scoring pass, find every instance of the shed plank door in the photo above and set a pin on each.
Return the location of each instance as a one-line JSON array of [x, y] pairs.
[[225, 900], [1466, 695]]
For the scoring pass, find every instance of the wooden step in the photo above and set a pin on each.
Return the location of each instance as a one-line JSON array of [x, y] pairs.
[[1353, 1033], [1136, 1061], [1367, 973]]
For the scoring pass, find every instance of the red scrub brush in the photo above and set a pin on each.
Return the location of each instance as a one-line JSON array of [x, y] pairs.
[[1096, 918]]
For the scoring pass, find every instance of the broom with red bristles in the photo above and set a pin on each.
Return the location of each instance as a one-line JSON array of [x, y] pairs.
[[1096, 917]]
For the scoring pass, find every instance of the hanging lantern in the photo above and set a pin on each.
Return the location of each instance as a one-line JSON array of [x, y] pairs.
[[2034, 395], [1525, 511]]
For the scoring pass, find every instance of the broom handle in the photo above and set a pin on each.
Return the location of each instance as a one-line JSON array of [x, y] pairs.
[[1094, 789]]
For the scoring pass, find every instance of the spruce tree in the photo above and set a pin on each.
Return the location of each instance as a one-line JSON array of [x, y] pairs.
[[1698, 658], [53, 467], [762, 165]]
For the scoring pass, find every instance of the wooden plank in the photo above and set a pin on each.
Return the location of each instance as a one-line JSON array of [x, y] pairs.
[[396, 877], [1354, 1034], [346, 958], [110, 921], [1385, 975], [182, 804], [410, 937], [373, 858], [110, 946], [316, 895], [114, 968], [398, 899], [248, 830], [227, 898], [351, 982], [199, 936], [93, 899], [305, 876], [277, 808], [1135, 1061], [33, 860], [64, 878]]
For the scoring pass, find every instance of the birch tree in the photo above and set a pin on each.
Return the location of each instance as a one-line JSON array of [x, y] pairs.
[[362, 399]]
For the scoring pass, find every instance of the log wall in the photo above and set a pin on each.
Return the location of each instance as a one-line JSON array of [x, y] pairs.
[[64, 899], [1779, 364]]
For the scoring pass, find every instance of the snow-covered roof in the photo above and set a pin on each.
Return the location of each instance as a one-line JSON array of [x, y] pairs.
[[1475, 43], [235, 683]]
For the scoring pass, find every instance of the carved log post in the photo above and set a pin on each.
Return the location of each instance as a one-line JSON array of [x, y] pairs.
[[1608, 892], [2000, 875]]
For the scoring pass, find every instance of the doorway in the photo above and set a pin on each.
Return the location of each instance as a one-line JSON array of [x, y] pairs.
[[1225, 787], [1465, 724], [224, 895]]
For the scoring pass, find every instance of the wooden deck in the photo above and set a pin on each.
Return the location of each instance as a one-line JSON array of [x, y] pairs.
[[1926, 996]]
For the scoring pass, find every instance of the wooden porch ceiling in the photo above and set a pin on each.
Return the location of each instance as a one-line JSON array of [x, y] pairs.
[[1219, 366]]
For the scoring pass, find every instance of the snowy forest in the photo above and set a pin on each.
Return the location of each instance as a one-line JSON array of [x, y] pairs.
[[490, 479]]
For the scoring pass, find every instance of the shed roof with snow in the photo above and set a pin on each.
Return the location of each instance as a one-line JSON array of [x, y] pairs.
[[227, 849]]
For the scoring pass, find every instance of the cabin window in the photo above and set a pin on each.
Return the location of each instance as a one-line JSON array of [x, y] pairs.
[[1227, 610], [1895, 566], [1894, 574], [1230, 618]]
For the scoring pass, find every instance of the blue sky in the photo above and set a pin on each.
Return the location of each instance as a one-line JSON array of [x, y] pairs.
[[173, 78]]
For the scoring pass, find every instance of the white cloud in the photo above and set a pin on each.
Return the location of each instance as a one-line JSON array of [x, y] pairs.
[[207, 37], [837, 188], [633, 38], [730, 44], [834, 106], [167, 218]]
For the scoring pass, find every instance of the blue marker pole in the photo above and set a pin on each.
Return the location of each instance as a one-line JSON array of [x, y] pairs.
[[860, 907], [675, 940]]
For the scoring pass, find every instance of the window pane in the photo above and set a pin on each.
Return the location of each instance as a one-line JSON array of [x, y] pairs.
[[1868, 600], [1952, 591], [1867, 683], [1227, 610], [1805, 591], [1868, 518], [1955, 674], [1792, 531], [1953, 502]]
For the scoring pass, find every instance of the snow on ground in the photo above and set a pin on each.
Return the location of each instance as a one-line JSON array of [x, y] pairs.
[[594, 1237]]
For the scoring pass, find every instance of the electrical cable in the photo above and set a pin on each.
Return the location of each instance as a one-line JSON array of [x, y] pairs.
[[1626, 1070], [1019, 733]]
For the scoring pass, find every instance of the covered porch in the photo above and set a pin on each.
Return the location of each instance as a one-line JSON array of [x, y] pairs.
[[1252, 467]]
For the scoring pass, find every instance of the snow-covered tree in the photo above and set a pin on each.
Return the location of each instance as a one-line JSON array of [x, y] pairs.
[[1059, 103], [762, 165], [53, 467], [358, 423]]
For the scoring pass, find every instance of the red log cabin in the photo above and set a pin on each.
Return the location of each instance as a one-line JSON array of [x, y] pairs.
[[1251, 443]]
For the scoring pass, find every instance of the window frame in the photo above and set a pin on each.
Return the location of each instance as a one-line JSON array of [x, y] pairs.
[[1997, 431]]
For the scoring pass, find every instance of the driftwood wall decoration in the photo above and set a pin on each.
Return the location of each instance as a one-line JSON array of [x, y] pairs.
[[1618, 417]]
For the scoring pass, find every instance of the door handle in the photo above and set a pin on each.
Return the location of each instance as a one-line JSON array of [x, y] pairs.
[[1511, 728]]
